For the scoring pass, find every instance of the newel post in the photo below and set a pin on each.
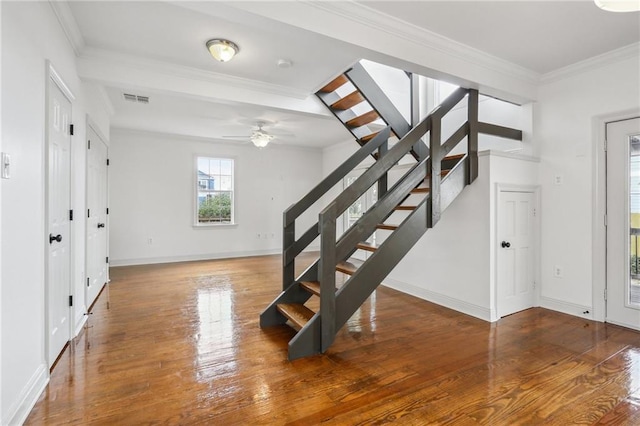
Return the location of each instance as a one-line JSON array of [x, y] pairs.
[[327, 275]]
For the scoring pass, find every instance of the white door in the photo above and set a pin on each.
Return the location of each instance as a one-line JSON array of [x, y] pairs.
[[623, 223], [97, 266], [516, 253], [357, 209], [59, 238]]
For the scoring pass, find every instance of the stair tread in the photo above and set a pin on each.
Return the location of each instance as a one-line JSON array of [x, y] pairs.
[[311, 286], [346, 267], [296, 312], [363, 119], [351, 100], [454, 157], [402, 207], [334, 84], [368, 137], [366, 245], [387, 227], [420, 190]]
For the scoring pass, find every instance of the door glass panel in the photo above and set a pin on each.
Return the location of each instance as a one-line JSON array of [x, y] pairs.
[[633, 289]]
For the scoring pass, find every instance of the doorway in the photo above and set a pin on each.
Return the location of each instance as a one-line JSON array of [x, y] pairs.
[[58, 202], [516, 250], [97, 225], [357, 209], [623, 222]]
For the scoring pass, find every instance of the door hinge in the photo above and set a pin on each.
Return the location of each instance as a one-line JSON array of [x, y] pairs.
[[89, 144], [107, 259], [87, 281], [605, 145], [605, 294], [107, 161], [70, 300], [606, 220], [71, 129], [88, 212], [107, 210], [70, 214]]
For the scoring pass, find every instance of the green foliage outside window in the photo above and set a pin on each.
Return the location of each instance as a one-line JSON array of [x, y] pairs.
[[215, 209]]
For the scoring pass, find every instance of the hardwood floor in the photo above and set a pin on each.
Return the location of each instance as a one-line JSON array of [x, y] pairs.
[[181, 344]]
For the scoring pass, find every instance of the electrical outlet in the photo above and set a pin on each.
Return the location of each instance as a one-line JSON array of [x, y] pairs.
[[558, 179], [5, 165], [259, 235], [149, 241], [557, 271]]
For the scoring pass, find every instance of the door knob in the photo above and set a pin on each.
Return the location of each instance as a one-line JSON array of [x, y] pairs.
[[101, 225], [506, 244], [53, 238]]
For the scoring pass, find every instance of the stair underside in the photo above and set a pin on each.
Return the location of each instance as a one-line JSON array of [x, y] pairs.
[[349, 101], [334, 84]]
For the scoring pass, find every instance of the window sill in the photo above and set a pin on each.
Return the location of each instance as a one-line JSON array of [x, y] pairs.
[[214, 225]]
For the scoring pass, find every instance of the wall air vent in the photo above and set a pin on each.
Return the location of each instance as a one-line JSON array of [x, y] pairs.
[[136, 98]]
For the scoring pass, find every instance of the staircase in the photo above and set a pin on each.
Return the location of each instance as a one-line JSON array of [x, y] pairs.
[[424, 192]]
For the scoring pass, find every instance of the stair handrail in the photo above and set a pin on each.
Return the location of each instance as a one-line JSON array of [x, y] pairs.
[[293, 247]]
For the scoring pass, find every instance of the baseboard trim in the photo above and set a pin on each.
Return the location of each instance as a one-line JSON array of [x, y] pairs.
[[566, 307], [191, 258], [18, 413], [467, 308]]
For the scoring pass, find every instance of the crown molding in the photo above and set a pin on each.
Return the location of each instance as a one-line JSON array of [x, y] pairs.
[[379, 21], [69, 25], [608, 58], [190, 73]]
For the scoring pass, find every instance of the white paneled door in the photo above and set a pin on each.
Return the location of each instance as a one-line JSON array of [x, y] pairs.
[[515, 252], [97, 225], [58, 240], [623, 223]]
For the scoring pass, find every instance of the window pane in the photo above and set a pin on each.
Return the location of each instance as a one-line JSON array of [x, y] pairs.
[[214, 191]]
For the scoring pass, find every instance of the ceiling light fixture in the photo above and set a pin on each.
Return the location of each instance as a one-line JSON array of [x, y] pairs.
[[618, 5], [261, 138], [222, 50]]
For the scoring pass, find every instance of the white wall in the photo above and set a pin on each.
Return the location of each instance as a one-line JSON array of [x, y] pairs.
[[30, 36], [564, 121], [151, 191]]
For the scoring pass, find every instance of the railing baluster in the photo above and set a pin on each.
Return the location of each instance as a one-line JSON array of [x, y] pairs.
[[472, 136], [288, 266], [383, 181], [436, 166], [327, 275]]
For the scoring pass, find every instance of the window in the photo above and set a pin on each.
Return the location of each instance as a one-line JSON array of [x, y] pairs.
[[214, 191]]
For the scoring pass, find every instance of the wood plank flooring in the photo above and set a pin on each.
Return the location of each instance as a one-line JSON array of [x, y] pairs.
[[181, 345]]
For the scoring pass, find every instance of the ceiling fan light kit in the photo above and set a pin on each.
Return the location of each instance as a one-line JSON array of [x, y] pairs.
[[260, 138], [222, 50], [618, 5]]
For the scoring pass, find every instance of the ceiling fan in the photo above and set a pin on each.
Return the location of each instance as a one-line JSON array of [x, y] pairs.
[[259, 137]]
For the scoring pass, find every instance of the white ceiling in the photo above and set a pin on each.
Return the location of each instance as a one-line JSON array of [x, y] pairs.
[[163, 36]]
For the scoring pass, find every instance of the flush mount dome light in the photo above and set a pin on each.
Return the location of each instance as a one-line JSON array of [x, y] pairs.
[[222, 50], [618, 5]]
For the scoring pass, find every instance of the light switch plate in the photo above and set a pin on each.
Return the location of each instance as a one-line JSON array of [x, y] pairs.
[[5, 165]]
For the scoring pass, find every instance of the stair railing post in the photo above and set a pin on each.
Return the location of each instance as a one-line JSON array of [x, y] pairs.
[[435, 160], [420, 147], [472, 136], [288, 239], [383, 182], [327, 275]]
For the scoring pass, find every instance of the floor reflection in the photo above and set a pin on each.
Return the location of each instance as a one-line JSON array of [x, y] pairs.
[[215, 337]]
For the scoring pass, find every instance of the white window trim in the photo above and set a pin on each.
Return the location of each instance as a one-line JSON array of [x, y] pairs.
[[194, 186]]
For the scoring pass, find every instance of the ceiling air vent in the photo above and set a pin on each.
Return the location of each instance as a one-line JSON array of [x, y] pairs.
[[136, 98]]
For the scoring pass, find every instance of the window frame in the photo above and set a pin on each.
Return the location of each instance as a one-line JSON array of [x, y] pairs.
[[196, 191]]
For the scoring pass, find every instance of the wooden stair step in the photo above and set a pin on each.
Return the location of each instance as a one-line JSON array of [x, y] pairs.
[[367, 138], [363, 119], [366, 245], [334, 84], [311, 286], [406, 208], [297, 313], [420, 190], [386, 227], [346, 268], [351, 100], [453, 157]]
